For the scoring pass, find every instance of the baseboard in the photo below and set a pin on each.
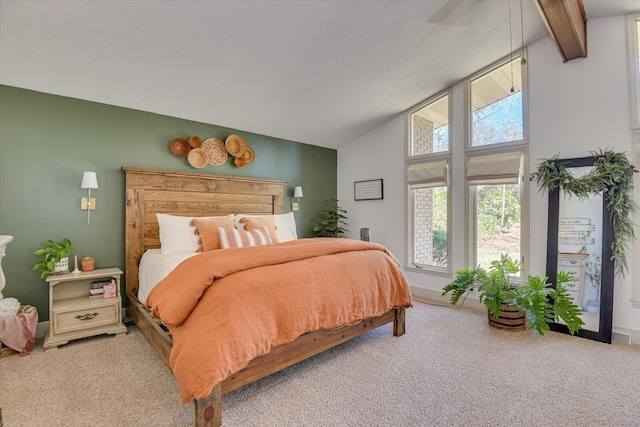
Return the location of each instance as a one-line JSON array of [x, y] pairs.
[[430, 296], [42, 329], [626, 335]]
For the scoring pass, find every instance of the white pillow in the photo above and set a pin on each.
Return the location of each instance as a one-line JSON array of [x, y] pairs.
[[285, 225], [177, 234]]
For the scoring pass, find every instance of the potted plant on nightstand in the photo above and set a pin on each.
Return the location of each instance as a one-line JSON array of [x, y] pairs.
[[508, 301], [55, 257]]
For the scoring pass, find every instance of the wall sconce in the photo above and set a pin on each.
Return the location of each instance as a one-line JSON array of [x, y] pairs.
[[297, 193], [89, 182]]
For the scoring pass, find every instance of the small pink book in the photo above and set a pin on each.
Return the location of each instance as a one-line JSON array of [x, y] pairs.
[[110, 290]]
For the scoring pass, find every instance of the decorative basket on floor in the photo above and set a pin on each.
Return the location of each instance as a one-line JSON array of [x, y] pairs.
[[512, 318]]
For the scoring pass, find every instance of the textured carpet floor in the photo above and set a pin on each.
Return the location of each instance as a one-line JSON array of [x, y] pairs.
[[450, 369]]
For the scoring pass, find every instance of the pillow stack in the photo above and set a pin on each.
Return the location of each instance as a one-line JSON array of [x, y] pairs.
[[202, 234]]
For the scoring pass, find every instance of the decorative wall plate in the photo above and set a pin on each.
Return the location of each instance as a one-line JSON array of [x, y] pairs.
[[179, 147], [235, 145], [249, 155], [216, 151], [195, 141], [197, 158]]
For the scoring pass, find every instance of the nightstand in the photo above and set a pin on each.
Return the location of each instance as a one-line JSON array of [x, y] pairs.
[[574, 263], [73, 314]]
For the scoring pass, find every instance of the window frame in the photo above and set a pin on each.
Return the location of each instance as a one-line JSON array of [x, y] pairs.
[[408, 122], [468, 116], [634, 68], [423, 159], [471, 258], [501, 147]]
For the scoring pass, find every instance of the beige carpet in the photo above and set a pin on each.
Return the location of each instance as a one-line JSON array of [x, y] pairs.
[[450, 369]]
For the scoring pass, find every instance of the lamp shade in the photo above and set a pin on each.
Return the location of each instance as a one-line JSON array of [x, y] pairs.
[[89, 180], [297, 192]]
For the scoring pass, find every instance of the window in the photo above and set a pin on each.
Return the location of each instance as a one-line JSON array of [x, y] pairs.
[[427, 177], [430, 127], [496, 105], [429, 206], [486, 154], [496, 157], [495, 188]]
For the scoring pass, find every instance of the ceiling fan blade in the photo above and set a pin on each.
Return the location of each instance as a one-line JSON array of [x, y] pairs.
[[444, 11]]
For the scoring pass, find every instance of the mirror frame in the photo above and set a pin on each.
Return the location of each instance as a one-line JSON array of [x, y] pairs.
[[604, 332]]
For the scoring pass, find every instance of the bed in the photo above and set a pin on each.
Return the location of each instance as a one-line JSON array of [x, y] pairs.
[[149, 192]]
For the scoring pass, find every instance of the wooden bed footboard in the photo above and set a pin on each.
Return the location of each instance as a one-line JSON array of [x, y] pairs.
[[208, 411]]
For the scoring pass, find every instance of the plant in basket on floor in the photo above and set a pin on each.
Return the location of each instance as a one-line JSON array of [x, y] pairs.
[[55, 257], [501, 293]]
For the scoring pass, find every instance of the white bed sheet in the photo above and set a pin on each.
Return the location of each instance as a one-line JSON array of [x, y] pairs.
[[155, 266]]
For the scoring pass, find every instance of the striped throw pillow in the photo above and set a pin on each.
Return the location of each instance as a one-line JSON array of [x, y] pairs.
[[234, 238]]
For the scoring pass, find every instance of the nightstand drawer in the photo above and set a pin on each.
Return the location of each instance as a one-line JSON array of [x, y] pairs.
[[570, 262], [88, 317]]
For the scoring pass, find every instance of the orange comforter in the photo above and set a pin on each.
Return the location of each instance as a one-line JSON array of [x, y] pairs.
[[227, 307]]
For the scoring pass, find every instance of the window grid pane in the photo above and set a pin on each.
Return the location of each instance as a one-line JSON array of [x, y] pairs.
[[497, 222], [430, 226], [430, 128], [496, 102]]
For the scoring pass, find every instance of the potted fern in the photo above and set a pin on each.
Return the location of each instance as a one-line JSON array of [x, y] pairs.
[[501, 293], [54, 257]]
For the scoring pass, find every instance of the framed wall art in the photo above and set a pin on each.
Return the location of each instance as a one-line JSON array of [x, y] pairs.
[[368, 190]]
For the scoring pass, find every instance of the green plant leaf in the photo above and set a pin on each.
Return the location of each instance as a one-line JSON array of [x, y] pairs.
[[565, 309], [465, 282]]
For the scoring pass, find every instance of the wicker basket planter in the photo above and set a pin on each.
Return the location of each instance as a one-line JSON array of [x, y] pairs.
[[512, 318]]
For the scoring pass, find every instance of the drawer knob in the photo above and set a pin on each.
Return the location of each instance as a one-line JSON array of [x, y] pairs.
[[87, 316]]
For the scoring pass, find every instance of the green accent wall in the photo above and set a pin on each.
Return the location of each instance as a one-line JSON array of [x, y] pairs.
[[47, 141]]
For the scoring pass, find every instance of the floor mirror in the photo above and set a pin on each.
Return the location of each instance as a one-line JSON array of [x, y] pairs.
[[579, 238]]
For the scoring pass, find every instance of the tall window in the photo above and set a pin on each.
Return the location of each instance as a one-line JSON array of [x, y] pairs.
[[495, 189], [496, 160], [496, 105], [427, 176], [429, 202]]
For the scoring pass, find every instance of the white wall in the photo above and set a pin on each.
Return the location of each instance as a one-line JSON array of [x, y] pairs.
[[574, 108], [378, 154]]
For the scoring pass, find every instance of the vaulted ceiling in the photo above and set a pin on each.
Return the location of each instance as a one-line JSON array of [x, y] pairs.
[[319, 72]]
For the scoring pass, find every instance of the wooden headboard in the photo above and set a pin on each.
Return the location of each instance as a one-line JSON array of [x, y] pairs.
[[151, 191]]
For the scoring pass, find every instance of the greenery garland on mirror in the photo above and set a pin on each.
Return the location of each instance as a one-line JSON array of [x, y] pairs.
[[612, 174]]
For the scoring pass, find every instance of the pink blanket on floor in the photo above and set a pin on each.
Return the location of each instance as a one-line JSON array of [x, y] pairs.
[[18, 332]]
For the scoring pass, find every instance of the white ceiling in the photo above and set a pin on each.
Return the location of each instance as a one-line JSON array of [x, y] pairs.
[[318, 72]]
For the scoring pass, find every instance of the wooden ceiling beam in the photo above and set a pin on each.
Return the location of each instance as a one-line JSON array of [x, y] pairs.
[[566, 22]]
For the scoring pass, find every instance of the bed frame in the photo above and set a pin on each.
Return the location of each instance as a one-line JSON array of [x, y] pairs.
[[150, 191]]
